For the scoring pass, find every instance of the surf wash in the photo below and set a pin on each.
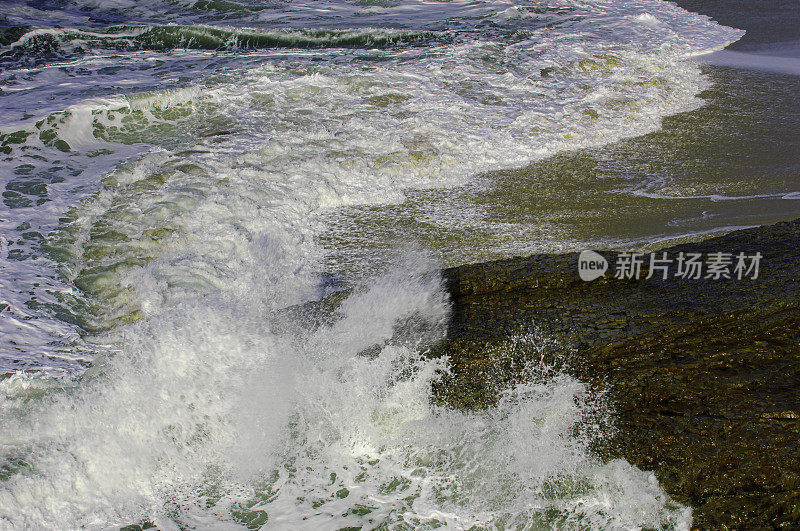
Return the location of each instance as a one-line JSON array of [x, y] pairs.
[[179, 224]]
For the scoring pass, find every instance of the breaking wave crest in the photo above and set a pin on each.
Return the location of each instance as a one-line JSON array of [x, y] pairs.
[[213, 413], [163, 359]]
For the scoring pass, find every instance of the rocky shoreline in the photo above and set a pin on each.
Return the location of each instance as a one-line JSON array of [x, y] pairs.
[[704, 374]]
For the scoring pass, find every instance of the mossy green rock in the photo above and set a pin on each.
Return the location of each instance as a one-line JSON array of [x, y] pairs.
[[704, 375]]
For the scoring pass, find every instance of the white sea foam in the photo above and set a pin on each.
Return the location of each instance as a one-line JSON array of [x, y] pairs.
[[213, 407], [204, 404]]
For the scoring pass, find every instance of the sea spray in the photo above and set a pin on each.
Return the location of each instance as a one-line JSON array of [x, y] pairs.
[[213, 412], [163, 210]]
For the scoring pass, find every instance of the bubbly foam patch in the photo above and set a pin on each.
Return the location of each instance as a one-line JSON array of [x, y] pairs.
[[215, 413]]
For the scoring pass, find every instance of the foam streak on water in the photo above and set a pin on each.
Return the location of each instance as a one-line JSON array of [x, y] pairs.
[[164, 181]]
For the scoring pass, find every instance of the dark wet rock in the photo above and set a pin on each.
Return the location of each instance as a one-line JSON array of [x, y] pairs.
[[704, 374], [11, 34]]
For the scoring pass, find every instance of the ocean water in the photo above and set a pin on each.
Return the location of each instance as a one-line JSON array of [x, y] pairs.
[[174, 175]]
